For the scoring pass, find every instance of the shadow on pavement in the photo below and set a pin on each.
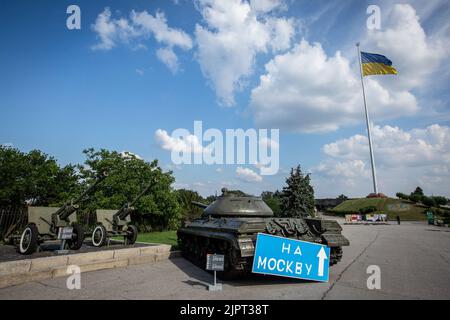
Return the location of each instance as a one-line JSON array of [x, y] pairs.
[[203, 277]]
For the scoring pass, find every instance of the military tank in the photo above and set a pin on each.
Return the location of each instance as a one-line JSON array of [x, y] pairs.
[[230, 225]]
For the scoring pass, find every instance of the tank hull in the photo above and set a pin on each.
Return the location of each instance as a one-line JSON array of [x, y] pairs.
[[235, 237]]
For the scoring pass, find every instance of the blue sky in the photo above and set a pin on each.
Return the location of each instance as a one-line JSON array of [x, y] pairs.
[[65, 90]]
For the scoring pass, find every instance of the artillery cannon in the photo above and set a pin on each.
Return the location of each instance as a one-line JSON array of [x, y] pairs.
[[111, 223], [48, 223]]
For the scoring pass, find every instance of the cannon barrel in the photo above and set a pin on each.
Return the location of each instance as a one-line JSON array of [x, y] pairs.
[[70, 207], [123, 212], [199, 204]]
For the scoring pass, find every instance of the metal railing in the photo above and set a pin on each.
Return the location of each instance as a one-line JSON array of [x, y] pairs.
[[12, 220]]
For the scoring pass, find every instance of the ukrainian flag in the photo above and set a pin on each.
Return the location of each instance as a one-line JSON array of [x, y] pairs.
[[373, 63]]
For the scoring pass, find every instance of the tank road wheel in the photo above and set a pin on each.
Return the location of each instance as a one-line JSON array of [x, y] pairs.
[[77, 238], [29, 239], [132, 233], [99, 236]]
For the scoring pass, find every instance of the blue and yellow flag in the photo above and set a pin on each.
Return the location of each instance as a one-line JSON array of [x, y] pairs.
[[373, 63]]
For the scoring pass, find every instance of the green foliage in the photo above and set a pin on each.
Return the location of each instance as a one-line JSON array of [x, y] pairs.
[[440, 201], [418, 192], [127, 177], [428, 201], [237, 193], [34, 177], [297, 198], [273, 200], [419, 196], [189, 211], [402, 196], [343, 197]]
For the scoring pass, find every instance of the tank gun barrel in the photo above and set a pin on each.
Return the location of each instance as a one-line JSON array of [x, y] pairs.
[[199, 204]]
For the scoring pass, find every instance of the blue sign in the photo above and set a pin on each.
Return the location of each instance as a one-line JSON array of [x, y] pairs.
[[285, 257]]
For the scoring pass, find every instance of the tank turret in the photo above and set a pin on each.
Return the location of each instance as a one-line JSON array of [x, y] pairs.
[[231, 205]]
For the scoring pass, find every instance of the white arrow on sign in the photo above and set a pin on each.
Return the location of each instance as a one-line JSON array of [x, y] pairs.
[[322, 257]]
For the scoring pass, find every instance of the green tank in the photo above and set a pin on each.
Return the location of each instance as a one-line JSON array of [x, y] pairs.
[[230, 224]]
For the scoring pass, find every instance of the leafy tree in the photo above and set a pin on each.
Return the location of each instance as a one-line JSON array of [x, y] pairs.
[[297, 198], [210, 199], [418, 192], [237, 193], [189, 211], [273, 200], [343, 197], [415, 197], [128, 176], [35, 178], [440, 200], [428, 201], [402, 196]]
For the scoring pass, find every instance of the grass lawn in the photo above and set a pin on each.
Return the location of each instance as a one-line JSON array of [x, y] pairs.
[[165, 237]]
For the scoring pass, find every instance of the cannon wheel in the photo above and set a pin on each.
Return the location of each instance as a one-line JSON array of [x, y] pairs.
[[99, 236], [77, 238], [132, 233], [29, 239]]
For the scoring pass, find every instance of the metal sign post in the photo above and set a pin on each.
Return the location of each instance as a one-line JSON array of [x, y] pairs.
[[215, 262]]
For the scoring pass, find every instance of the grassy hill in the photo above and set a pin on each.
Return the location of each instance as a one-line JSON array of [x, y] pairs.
[[392, 207]]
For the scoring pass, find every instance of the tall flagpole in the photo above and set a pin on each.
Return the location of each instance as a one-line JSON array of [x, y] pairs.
[[372, 159]]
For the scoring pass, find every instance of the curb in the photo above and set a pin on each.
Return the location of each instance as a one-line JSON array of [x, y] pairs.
[[21, 271]]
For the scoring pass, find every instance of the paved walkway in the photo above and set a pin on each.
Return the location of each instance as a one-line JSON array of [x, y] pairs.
[[414, 259]]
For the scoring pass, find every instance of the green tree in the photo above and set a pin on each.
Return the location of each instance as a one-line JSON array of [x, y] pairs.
[[128, 176], [297, 198], [273, 200], [189, 211], [440, 200], [342, 197], [402, 196], [418, 192], [428, 201], [35, 178]]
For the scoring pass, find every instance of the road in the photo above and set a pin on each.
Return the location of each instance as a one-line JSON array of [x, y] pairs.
[[414, 260]]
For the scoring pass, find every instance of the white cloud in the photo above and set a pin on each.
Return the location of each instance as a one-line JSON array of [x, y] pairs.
[[106, 31], [140, 72], [169, 58], [306, 90], [232, 34], [133, 31], [130, 155], [248, 175], [266, 5], [190, 144], [157, 25], [309, 91], [404, 41], [404, 159], [268, 143]]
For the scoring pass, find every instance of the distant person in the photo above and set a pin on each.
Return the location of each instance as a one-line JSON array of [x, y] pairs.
[[398, 219]]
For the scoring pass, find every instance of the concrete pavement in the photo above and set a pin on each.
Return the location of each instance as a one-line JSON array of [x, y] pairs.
[[414, 259]]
